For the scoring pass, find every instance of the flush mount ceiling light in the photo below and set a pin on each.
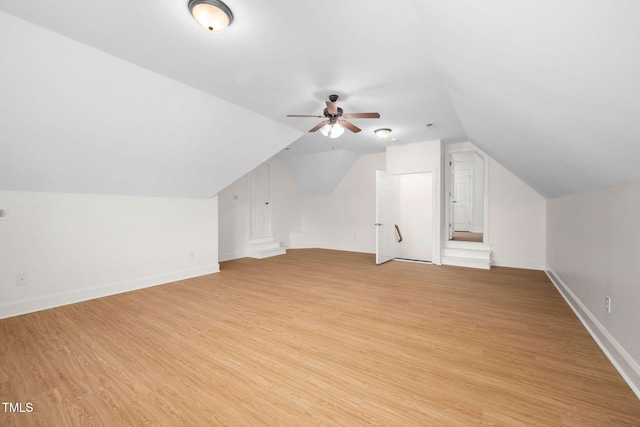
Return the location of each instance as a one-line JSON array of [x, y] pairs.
[[332, 130], [212, 15], [383, 132]]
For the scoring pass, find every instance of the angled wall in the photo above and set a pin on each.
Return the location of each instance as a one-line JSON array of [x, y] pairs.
[[233, 209], [517, 221], [74, 119], [318, 174], [343, 220], [593, 247], [74, 247]]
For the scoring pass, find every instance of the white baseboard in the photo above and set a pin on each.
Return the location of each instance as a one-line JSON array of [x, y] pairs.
[[229, 257], [628, 368], [349, 248], [30, 305], [516, 263]]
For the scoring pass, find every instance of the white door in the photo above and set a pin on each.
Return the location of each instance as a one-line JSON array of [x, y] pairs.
[[260, 201], [462, 199], [452, 188], [385, 226]]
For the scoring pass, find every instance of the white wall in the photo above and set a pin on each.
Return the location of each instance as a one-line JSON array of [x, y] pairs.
[[318, 174], [593, 251], [74, 247], [422, 157], [344, 219], [234, 213], [478, 195], [517, 221], [417, 157]]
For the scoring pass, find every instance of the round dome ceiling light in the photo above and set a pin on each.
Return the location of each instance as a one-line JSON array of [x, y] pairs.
[[212, 15], [382, 133]]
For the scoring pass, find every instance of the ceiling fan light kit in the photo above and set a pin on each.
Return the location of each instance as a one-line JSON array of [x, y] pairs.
[[336, 122], [383, 132], [212, 15], [332, 130]]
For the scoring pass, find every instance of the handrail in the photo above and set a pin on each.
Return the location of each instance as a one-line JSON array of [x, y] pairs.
[[399, 233]]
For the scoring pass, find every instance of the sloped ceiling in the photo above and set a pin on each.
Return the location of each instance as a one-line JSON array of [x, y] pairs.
[[74, 119], [318, 174], [547, 88]]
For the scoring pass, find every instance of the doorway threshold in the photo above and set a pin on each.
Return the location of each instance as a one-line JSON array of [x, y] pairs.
[[413, 260]]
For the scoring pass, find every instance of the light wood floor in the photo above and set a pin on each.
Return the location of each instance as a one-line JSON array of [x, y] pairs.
[[467, 236], [316, 337]]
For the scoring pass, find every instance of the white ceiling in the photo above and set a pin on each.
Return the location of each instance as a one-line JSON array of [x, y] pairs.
[[547, 88]]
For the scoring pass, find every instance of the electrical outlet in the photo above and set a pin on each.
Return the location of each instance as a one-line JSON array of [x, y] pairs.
[[607, 304], [192, 255], [21, 279]]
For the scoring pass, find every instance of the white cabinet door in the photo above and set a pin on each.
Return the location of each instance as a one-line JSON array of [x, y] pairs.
[[260, 201]]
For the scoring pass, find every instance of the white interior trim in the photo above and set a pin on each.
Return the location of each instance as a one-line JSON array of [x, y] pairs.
[[626, 366], [448, 157], [516, 263], [30, 305]]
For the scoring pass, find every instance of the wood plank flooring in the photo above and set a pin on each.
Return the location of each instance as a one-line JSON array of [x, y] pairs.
[[316, 337]]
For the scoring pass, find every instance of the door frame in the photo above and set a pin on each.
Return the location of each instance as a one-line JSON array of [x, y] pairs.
[[465, 147], [436, 182], [469, 195]]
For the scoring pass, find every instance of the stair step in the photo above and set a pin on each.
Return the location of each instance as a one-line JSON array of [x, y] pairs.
[[467, 262], [479, 254], [457, 244], [261, 240], [264, 246], [267, 253]]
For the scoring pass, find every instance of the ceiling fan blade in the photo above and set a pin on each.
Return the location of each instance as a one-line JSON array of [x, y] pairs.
[[361, 116], [332, 108], [353, 128], [303, 115], [318, 126]]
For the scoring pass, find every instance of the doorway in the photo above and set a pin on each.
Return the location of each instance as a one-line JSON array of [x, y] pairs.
[[466, 203], [404, 217]]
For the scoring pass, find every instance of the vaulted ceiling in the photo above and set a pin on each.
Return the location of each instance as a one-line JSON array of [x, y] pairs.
[[132, 97]]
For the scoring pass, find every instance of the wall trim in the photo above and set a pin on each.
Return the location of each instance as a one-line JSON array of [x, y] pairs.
[[516, 263], [229, 257], [44, 302], [621, 360], [349, 248]]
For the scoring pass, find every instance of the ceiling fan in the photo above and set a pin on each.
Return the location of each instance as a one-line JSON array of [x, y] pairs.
[[336, 121]]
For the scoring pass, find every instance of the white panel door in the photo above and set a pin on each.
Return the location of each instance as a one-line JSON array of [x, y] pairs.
[[260, 201], [462, 199], [386, 244]]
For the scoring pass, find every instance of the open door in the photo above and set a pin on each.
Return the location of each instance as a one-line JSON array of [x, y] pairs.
[[385, 226]]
